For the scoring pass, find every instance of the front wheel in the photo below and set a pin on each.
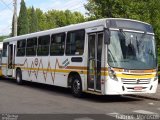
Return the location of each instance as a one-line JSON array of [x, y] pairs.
[[19, 77], [76, 87]]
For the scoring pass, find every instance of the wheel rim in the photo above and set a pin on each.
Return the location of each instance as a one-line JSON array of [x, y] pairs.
[[76, 86]]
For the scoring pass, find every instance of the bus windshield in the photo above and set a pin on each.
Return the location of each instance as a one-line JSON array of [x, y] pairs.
[[132, 50]]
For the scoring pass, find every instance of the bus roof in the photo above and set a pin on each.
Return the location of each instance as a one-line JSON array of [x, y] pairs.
[[72, 27]]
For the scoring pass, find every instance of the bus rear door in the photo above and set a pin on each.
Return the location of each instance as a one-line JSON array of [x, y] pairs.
[[11, 60]]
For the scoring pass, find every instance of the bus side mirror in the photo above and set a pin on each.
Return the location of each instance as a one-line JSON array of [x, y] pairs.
[[107, 36]]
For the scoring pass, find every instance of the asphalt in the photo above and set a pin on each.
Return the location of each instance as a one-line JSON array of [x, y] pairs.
[[43, 102]]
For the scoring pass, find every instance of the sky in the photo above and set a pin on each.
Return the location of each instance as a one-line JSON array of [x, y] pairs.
[[6, 9]]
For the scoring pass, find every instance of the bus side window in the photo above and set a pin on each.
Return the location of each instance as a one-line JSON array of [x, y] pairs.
[[57, 44], [75, 42], [4, 53], [21, 44], [31, 46], [43, 45]]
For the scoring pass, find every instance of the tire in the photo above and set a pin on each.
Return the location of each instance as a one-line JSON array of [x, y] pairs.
[[19, 77], [76, 87]]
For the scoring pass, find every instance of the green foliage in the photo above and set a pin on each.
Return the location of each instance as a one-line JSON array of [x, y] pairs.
[[107, 8], [52, 19], [23, 25], [56, 18], [41, 19], [3, 37], [33, 21], [78, 17]]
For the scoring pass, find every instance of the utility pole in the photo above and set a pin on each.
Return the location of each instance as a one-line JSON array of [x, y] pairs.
[[15, 18]]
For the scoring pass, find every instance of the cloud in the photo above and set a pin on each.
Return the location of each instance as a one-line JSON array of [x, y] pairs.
[[5, 22], [6, 14]]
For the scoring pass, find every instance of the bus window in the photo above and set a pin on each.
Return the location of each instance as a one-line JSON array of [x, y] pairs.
[[75, 42], [21, 44], [4, 54], [57, 44], [31, 46], [43, 45]]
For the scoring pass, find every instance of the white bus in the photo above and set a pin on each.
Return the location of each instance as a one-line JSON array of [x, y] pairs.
[[106, 56]]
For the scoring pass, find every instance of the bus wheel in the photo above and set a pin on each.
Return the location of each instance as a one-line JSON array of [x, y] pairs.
[[19, 77], [76, 87]]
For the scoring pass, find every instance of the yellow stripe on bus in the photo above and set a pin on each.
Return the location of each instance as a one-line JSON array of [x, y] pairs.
[[60, 70], [84, 71], [129, 76], [4, 65], [48, 70]]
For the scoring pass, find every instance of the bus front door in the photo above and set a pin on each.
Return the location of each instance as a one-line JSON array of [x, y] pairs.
[[94, 61], [10, 62]]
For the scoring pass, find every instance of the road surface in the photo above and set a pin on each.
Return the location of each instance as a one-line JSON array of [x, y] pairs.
[[46, 101]]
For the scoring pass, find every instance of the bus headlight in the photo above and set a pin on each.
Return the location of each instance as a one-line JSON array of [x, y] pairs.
[[112, 75]]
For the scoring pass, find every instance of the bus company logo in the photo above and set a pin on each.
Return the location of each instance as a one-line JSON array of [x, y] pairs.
[[65, 63], [138, 81]]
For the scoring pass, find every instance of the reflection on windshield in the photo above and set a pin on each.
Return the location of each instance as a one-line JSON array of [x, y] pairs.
[[130, 50]]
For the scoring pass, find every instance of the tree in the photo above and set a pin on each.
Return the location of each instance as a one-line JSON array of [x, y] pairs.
[[33, 21], [29, 15], [51, 19], [78, 17], [23, 25], [57, 18], [107, 8], [41, 19], [3, 37]]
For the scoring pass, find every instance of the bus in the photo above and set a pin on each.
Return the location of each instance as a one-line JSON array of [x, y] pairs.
[[110, 56]]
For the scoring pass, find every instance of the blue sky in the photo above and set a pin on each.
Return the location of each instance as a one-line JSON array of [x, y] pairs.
[[6, 9]]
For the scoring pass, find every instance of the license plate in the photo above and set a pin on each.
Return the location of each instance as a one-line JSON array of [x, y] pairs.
[[138, 88]]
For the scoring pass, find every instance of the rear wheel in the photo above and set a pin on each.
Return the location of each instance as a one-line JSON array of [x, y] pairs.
[[76, 87], [19, 77]]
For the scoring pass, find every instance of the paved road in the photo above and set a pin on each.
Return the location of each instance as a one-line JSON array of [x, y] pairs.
[[33, 98]]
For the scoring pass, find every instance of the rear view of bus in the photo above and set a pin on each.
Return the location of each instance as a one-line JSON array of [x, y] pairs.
[[131, 57]]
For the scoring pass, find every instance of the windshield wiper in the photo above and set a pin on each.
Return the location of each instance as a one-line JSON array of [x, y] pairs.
[[142, 37]]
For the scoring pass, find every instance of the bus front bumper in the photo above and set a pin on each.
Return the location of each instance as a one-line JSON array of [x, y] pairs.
[[113, 87]]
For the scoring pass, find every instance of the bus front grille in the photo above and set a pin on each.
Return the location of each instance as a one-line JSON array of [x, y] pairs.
[[135, 81]]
